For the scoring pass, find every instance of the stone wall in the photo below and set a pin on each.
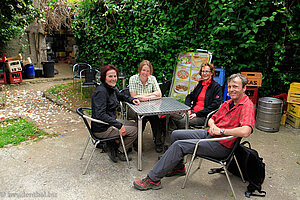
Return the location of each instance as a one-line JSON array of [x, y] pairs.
[[34, 39]]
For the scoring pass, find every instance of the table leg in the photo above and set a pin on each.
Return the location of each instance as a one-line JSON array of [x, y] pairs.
[[167, 136], [140, 142], [187, 120]]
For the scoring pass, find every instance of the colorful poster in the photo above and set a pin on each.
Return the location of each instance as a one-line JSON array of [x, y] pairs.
[[186, 75]]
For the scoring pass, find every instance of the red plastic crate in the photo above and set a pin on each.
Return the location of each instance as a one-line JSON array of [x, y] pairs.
[[252, 92], [15, 77], [2, 78]]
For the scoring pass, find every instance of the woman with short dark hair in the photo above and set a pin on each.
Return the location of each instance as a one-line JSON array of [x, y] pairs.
[[105, 101]]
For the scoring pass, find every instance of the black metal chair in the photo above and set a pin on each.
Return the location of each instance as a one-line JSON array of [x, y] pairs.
[[96, 141], [205, 125], [87, 78], [77, 69], [164, 85], [126, 92], [224, 162]]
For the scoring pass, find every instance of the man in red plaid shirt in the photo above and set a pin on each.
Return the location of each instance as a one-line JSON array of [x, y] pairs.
[[235, 117]]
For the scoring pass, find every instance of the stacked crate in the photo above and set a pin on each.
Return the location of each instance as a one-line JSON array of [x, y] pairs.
[[293, 109], [2, 69], [254, 82], [14, 71]]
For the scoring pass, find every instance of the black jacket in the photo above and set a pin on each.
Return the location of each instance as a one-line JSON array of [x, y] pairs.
[[105, 101], [212, 101]]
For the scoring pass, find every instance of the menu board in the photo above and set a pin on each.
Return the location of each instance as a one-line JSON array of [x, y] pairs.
[[186, 75]]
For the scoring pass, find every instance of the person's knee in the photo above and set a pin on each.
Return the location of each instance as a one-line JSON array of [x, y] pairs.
[[175, 135]]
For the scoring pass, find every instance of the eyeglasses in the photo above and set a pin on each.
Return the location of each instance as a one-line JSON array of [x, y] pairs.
[[203, 72]]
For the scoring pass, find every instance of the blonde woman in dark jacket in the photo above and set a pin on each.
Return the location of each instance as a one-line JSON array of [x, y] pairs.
[[206, 97]]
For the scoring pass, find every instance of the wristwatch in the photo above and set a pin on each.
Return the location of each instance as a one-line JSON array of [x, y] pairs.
[[222, 131]]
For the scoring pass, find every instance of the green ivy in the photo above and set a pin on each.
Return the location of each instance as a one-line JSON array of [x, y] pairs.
[[14, 16], [243, 35]]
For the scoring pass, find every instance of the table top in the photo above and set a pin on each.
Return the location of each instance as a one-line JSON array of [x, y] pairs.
[[161, 106]]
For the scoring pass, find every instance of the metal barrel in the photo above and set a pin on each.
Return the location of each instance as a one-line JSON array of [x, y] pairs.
[[268, 114]]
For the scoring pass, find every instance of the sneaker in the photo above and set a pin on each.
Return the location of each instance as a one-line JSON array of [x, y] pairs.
[[122, 157], [159, 148], [146, 184], [176, 172]]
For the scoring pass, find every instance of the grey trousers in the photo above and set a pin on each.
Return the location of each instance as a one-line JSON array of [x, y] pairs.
[[176, 121], [131, 133], [183, 142]]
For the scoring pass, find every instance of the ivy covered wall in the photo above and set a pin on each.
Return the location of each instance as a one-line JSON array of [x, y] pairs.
[[243, 35]]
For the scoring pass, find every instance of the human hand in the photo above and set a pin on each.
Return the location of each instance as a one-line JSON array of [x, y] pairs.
[[214, 130], [192, 116], [123, 130], [136, 101], [143, 98], [184, 115]]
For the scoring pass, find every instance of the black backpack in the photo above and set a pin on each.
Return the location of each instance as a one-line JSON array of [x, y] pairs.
[[252, 167]]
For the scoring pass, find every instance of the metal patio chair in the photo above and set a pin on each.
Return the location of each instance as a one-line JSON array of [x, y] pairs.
[[88, 78], [77, 69], [224, 162], [96, 141]]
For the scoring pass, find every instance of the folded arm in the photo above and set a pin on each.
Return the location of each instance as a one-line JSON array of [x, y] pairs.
[[146, 97], [243, 131]]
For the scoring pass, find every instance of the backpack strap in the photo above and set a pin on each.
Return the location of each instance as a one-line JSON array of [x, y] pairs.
[[246, 142]]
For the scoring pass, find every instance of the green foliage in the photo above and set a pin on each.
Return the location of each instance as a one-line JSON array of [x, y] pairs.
[[14, 16], [243, 35], [18, 130]]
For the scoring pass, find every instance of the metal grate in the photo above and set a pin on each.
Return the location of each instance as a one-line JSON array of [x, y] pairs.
[[161, 106]]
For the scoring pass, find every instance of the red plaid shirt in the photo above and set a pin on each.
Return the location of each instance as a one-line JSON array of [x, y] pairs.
[[242, 114]]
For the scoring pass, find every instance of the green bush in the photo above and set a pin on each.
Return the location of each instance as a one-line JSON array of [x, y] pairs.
[[243, 35], [14, 16]]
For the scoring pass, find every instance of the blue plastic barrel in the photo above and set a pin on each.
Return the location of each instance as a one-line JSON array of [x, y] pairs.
[[30, 73]]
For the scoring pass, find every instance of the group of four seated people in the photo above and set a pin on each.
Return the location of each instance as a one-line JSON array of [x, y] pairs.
[[235, 117]]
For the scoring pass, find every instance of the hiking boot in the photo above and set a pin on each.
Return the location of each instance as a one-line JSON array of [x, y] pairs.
[[129, 150], [146, 184], [135, 145], [111, 152], [159, 148], [176, 172], [122, 157], [112, 156]]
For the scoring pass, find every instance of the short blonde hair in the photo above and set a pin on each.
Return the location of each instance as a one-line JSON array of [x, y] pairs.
[[145, 62], [211, 67]]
